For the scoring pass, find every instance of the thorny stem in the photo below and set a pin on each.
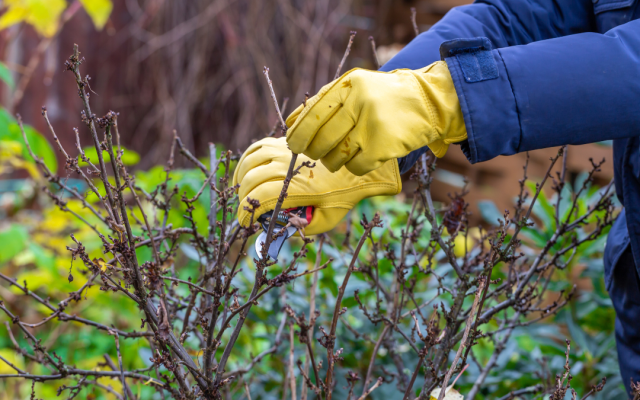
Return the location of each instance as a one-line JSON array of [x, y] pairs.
[[124, 382], [464, 342], [375, 52], [74, 66], [492, 360], [312, 319], [371, 389], [217, 270], [291, 372], [338, 307], [72, 163], [265, 71], [372, 360], [49, 175], [413, 21], [213, 202], [278, 122], [261, 265], [352, 35]]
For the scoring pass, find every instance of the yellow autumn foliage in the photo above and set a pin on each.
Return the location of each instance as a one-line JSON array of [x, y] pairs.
[[44, 15], [98, 10]]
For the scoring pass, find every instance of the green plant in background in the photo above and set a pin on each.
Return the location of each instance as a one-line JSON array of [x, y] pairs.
[[35, 241], [34, 233], [589, 319], [11, 138], [69, 280]]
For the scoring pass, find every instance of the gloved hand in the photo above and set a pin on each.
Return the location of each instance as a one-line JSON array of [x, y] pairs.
[[263, 167], [365, 118]]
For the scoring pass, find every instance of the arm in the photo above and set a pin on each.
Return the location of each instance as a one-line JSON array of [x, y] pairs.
[[570, 90], [503, 100], [504, 22]]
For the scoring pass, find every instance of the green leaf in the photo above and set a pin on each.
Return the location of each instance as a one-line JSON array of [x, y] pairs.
[[129, 157], [542, 208], [489, 212], [43, 257], [5, 76], [538, 238], [14, 240], [9, 130], [577, 333]]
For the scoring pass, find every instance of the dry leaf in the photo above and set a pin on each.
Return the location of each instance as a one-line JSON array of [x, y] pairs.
[[298, 222], [151, 381], [452, 394], [164, 328]]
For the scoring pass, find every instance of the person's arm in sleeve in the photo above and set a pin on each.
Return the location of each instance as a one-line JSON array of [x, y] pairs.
[[504, 22], [364, 118], [571, 90]]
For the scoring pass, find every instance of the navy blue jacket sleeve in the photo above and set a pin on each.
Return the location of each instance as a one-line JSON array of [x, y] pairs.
[[504, 22], [570, 90]]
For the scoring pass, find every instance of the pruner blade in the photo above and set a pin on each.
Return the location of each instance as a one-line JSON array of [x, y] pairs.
[[281, 223], [276, 245]]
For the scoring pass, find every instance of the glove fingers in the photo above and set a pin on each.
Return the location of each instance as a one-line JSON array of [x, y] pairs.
[[330, 134], [291, 119], [341, 154], [259, 156], [266, 193], [359, 165], [319, 110], [260, 176]]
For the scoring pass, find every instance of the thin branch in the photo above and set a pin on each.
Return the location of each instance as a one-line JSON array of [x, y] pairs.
[[371, 389], [375, 52], [352, 35], [413, 21], [464, 343], [124, 381]]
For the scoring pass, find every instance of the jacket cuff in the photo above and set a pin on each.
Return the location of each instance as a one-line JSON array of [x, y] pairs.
[[405, 163], [486, 98]]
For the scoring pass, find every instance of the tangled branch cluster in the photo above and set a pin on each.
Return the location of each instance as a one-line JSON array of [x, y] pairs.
[[193, 336]]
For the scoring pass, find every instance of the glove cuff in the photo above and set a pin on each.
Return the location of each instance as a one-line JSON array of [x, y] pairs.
[[444, 107], [439, 148]]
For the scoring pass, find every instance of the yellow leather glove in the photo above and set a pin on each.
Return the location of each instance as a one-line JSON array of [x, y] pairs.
[[365, 118], [263, 167]]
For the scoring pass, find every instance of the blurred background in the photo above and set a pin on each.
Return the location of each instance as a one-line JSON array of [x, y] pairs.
[[196, 67]]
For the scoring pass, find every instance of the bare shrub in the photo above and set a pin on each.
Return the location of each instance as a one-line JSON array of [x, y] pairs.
[[432, 291]]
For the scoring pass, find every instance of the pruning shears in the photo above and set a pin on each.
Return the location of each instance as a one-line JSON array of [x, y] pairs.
[[281, 223]]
